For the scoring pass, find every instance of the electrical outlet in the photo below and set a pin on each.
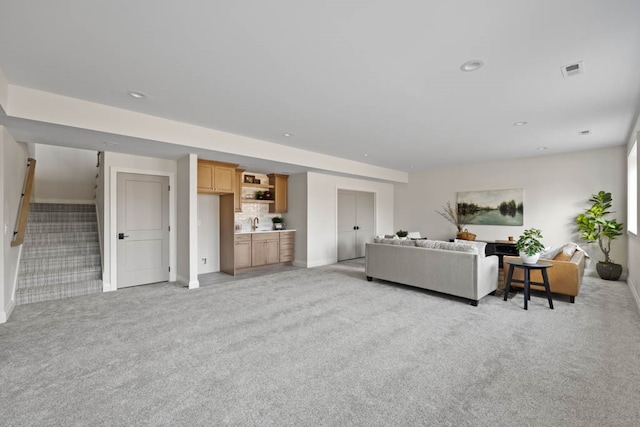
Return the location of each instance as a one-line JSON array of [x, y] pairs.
[[204, 260]]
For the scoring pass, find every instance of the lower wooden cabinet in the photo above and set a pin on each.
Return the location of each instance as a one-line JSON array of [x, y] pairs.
[[286, 246], [243, 251], [265, 249], [258, 249]]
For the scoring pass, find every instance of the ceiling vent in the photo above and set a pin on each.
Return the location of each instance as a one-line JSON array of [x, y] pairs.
[[572, 70]]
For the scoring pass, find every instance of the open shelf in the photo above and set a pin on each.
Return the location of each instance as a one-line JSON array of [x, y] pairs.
[[256, 201], [247, 185]]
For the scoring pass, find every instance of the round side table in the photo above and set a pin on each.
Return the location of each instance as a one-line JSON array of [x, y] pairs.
[[542, 266]]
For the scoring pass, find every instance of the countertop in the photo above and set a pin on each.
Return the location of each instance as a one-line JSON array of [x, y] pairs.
[[261, 231]]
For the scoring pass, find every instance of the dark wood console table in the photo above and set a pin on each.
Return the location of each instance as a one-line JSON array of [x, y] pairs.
[[500, 248]]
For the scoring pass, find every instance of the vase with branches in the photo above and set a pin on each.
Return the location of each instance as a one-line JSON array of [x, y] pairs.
[[452, 214]]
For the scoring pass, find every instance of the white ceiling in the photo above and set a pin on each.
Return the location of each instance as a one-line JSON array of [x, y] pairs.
[[347, 78]]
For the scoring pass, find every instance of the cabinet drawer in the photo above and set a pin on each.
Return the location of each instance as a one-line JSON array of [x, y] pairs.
[[264, 236], [243, 237]]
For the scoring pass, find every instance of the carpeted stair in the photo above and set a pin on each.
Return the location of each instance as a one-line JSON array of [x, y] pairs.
[[61, 253]]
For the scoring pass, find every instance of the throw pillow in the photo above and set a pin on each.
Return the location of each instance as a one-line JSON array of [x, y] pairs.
[[550, 253], [479, 246]]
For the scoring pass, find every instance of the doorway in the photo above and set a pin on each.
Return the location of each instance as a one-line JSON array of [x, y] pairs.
[[142, 227], [356, 222]]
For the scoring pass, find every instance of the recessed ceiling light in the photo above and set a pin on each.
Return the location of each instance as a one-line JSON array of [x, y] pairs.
[[542, 148], [584, 132], [472, 65], [137, 95], [287, 134], [520, 123], [366, 155]]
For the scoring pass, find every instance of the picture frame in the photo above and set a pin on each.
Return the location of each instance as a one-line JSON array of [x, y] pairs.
[[249, 179]]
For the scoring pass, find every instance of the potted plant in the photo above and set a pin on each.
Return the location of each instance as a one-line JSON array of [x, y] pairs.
[[529, 246], [278, 222], [402, 234], [452, 215], [594, 227]]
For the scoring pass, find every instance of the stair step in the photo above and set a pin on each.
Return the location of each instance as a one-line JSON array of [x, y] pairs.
[[58, 291], [61, 227], [35, 217], [56, 277], [58, 263], [30, 252], [40, 239], [60, 207]]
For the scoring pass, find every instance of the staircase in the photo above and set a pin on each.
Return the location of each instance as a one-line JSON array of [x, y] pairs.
[[61, 253]]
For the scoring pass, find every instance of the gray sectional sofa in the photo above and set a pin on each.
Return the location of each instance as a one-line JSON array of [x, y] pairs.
[[459, 269]]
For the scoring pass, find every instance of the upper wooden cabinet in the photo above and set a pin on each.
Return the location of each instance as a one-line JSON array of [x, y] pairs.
[[216, 177], [237, 195], [280, 184]]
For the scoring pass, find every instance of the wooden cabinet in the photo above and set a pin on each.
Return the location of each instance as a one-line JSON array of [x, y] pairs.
[[243, 251], [237, 195], [260, 249], [280, 184], [216, 177], [286, 246], [265, 249]]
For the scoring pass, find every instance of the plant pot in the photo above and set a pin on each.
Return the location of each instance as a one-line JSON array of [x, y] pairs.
[[609, 270], [529, 259]]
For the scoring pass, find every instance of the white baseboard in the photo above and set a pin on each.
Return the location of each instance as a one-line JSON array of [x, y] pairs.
[[321, 262], [636, 297], [302, 264], [106, 287], [191, 284], [4, 314]]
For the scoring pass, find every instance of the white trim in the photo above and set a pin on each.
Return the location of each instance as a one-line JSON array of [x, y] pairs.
[[15, 279], [192, 284], [64, 201], [302, 264], [4, 314], [636, 297], [319, 263], [113, 215]]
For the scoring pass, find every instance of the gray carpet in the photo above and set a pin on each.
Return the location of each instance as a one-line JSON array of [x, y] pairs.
[[321, 347]]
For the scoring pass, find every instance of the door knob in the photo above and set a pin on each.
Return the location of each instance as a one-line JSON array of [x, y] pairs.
[[121, 236]]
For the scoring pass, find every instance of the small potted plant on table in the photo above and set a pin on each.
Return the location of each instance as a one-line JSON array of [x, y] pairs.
[[278, 223], [529, 246], [402, 234]]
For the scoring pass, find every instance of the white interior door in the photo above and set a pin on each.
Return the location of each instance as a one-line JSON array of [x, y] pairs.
[[365, 221], [142, 229], [356, 223]]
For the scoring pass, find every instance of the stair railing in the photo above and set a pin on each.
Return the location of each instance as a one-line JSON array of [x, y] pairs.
[[23, 213]]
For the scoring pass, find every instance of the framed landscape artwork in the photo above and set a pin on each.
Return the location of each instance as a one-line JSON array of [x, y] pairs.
[[492, 207]]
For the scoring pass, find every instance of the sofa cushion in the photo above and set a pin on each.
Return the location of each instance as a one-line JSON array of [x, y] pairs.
[[447, 246], [550, 253], [408, 242], [567, 252], [479, 246]]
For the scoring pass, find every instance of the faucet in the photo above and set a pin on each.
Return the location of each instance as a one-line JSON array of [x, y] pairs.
[[254, 223]]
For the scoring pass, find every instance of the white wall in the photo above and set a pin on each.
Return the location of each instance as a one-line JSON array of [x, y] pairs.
[[556, 189], [64, 175], [633, 275], [117, 162], [208, 233], [297, 216], [187, 227], [322, 191], [13, 167]]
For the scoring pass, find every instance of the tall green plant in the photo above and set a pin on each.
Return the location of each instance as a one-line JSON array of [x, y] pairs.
[[594, 227]]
